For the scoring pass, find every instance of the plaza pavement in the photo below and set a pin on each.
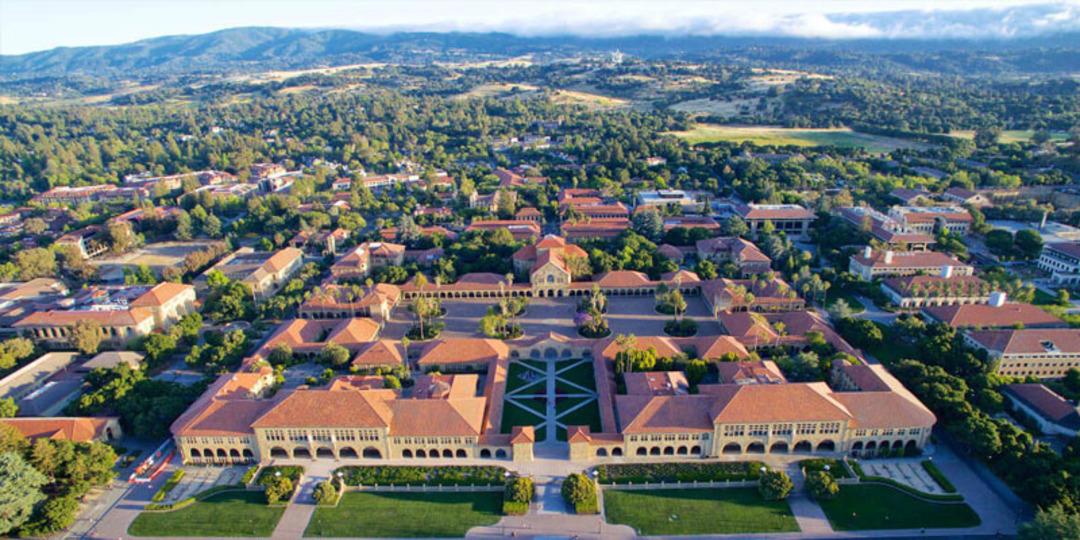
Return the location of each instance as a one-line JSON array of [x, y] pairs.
[[626, 315]]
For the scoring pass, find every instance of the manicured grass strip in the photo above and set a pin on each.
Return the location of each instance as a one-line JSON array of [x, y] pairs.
[[234, 513], [513, 415], [581, 375], [370, 514], [698, 511], [861, 507]]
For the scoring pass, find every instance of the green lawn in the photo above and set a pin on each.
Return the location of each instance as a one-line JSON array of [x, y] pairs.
[[581, 375], [892, 349], [514, 415], [698, 511], [234, 513], [367, 514], [518, 376], [589, 415], [874, 506]]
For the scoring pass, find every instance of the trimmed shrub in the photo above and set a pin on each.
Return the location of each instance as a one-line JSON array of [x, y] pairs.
[[514, 508], [775, 485], [579, 491], [519, 489], [821, 485], [326, 493], [278, 489]]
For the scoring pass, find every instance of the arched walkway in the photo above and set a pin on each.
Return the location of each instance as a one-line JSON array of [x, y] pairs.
[[302, 453], [324, 452], [756, 448], [826, 446], [778, 448], [616, 452], [732, 448], [500, 454], [347, 452], [485, 453], [601, 452], [803, 447], [372, 453], [279, 452]]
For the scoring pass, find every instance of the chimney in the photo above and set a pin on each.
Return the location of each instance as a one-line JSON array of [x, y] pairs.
[[946, 271], [888, 257], [997, 299], [868, 252]]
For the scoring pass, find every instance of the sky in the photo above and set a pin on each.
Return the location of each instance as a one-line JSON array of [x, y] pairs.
[[33, 25]]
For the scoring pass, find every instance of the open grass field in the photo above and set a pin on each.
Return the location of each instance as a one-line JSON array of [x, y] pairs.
[[591, 100], [235, 513], [778, 136], [366, 514], [1012, 135], [718, 107], [498, 90], [874, 506], [698, 511]]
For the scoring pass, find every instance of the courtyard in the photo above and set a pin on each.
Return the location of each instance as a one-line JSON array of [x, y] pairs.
[[551, 395], [626, 315]]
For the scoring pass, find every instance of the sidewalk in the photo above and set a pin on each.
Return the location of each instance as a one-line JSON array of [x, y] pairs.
[[296, 517]]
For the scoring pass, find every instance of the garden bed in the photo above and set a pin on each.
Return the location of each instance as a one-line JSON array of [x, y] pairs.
[[640, 473], [454, 475]]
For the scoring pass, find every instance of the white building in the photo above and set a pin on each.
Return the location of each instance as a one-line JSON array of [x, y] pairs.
[[1062, 260]]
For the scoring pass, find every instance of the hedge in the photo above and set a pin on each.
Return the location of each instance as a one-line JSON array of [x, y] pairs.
[[938, 476], [640, 473], [249, 475], [515, 508], [169, 485], [587, 507], [408, 475], [191, 500]]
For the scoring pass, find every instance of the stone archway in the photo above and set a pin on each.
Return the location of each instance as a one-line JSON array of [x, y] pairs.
[[826, 446], [279, 452], [803, 447], [372, 453], [302, 452], [778, 448], [732, 448], [324, 453]]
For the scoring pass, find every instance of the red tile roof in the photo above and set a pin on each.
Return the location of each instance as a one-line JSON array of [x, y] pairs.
[[76, 429], [987, 316]]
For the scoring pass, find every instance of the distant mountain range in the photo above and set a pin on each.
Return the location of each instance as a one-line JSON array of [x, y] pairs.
[[246, 49]]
